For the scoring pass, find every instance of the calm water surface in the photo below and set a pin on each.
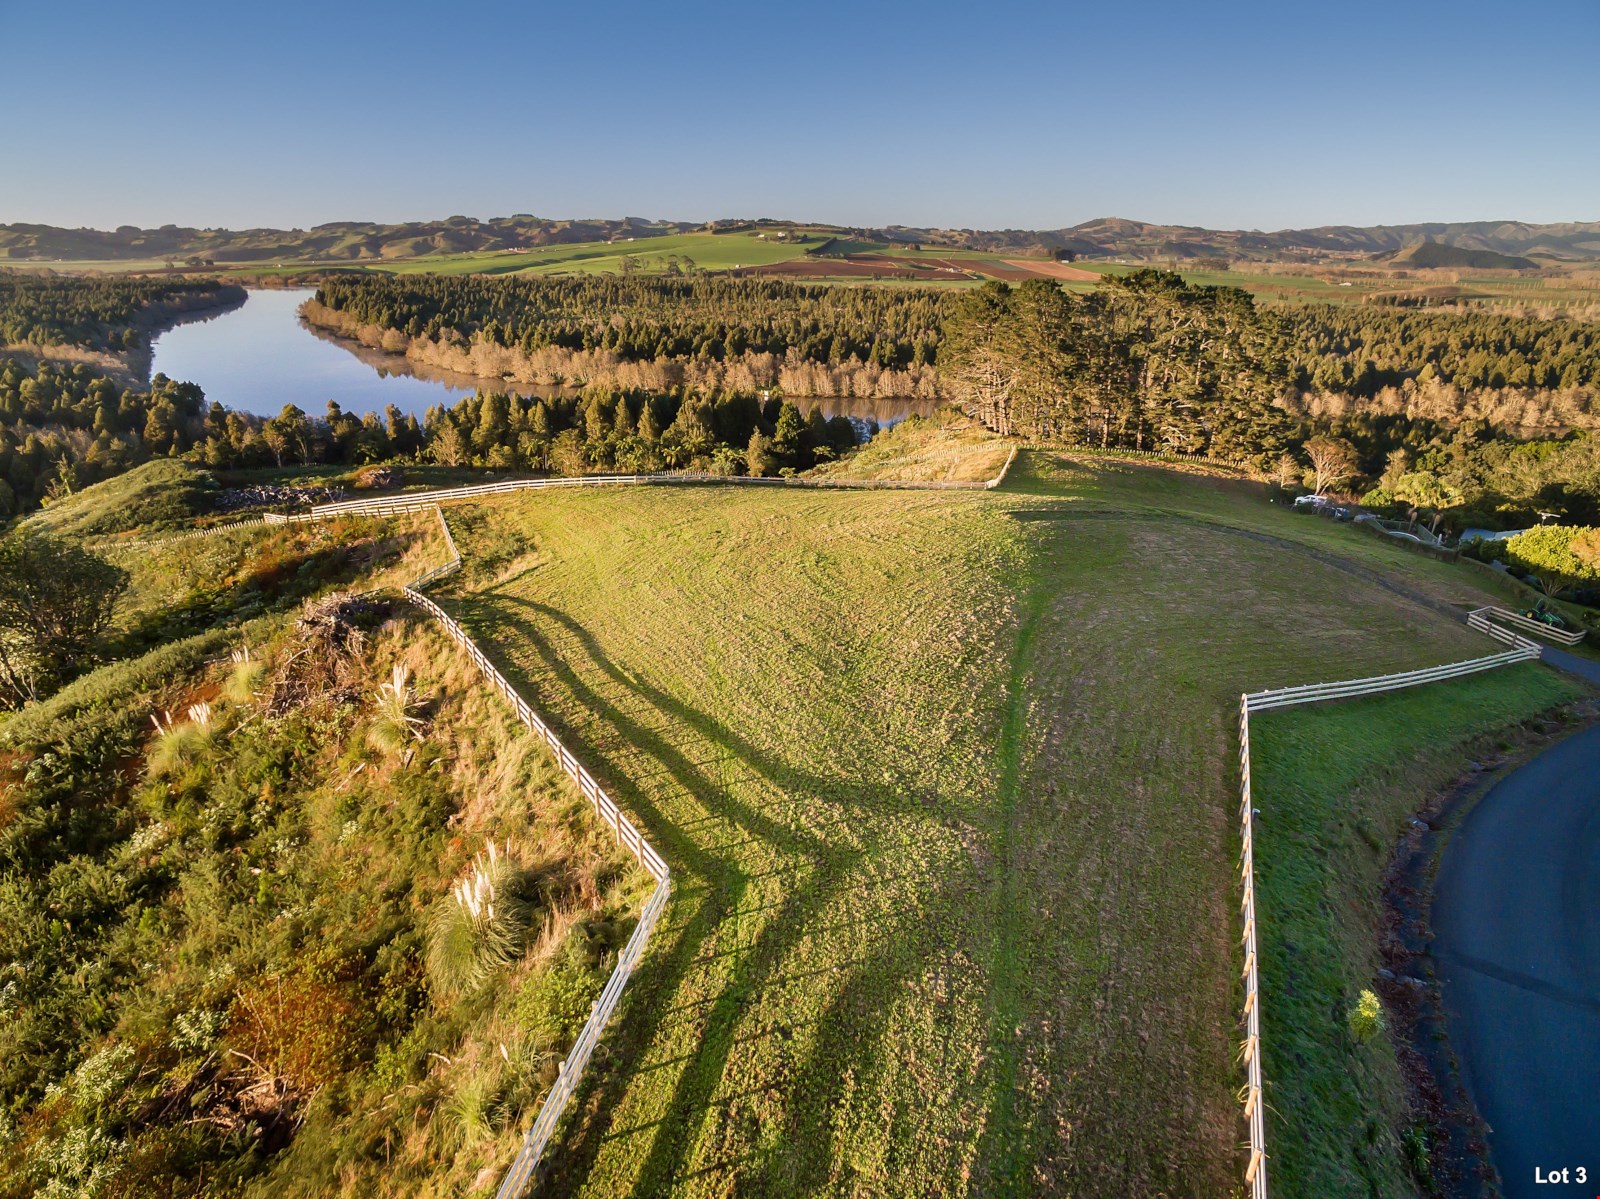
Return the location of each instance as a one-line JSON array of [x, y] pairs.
[[260, 356]]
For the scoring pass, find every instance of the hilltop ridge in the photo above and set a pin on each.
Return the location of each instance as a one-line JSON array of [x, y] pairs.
[[1104, 237]]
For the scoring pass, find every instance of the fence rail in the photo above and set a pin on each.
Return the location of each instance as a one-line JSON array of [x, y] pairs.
[[1522, 650], [520, 1172], [1490, 620], [421, 500]]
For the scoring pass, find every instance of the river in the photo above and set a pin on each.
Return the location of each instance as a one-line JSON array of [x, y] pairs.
[[259, 356]]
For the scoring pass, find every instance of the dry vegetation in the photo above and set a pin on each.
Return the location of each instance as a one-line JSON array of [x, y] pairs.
[[944, 448]]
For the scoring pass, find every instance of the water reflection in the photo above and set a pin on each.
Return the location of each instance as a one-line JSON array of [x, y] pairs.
[[260, 355]]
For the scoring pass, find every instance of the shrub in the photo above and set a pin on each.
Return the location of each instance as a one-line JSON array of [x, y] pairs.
[[298, 1029], [1366, 1018], [554, 1004], [1556, 555], [56, 602], [479, 929], [180, 746]]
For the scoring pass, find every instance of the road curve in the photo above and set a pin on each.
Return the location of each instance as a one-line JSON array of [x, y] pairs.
[[1516, 917]]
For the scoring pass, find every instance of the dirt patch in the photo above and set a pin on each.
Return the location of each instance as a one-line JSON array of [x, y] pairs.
[[996, 269], [1054, 270], [856, 266]]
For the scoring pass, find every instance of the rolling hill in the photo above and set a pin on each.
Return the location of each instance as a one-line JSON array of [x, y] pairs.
[[1109, 237], [1428, 254]]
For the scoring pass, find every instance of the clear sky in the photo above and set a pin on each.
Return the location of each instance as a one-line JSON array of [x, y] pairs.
[[986, 114]]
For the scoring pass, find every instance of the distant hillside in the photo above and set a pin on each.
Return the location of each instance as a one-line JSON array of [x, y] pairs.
[[1116, 237], [1108, 237], [341, 240], [1426, 254]]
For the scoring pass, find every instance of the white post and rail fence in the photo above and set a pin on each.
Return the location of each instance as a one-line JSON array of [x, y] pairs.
[[520, 1172], [1493, 622], [1522, 650], [420, 501]]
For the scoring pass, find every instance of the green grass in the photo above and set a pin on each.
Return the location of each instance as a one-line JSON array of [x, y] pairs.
[[1335, 784], [945, 782], [710, 251], [162, 494]]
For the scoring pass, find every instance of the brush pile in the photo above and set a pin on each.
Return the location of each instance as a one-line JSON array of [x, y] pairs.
[[323, 664]]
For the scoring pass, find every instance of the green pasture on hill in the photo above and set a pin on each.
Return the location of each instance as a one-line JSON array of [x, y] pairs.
[[709, 251], [946, 784]]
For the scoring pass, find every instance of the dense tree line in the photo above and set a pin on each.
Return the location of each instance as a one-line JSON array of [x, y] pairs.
[[811, 340], [65, 427], [730, 433], [62, 427], [1469, 474], [96, 313], [1360, 350], [1145, 361], [641, 319]]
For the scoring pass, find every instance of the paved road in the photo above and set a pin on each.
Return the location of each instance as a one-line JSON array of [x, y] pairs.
[[1516, 915], [1584, 668]]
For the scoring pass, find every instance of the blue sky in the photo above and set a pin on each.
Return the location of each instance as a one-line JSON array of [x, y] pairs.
[[985, 115]]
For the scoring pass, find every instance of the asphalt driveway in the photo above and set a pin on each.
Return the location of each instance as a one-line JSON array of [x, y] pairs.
[[1516, 914]]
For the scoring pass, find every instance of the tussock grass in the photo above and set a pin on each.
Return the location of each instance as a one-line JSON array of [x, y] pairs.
[[244, 679], [478, 929], [395, 728], [177, 746]]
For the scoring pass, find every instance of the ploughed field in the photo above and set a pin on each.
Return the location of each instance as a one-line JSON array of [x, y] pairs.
[[946, 783]]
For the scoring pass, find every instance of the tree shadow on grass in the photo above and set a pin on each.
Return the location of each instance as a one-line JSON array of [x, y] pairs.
[[668, 966]]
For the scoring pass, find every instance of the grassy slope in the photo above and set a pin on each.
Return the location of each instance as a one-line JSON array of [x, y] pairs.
[[1335, 784], [372, 846], [948, 793], [161, 494], [944, 448], [710, 251]]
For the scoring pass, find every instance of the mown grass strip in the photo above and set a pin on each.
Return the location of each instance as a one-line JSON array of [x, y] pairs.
[[1335, 784]]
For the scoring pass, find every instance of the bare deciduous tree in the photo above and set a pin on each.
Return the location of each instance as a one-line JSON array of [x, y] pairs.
[[1333, 460]]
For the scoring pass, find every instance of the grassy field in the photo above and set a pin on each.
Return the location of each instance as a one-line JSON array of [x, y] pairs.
[[945, 783], [944, 448], [709, 251], [1335, 283], [1336, 784]]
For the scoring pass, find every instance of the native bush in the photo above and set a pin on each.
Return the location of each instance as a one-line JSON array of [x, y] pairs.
[[1557, 555], [478, 929], [299, 1027]]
